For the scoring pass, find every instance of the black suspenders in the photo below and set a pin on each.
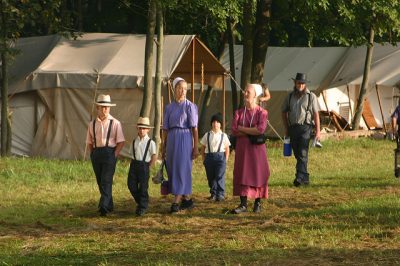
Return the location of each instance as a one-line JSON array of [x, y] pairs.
[[108, 133], [220, 142], [145, 151]]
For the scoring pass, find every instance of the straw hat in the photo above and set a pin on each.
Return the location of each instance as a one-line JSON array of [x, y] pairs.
[[144, 122], [104, 100]]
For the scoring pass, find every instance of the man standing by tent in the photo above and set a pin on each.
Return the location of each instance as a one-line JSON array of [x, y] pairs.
[[104, 141], [395, 121], [300, 114]]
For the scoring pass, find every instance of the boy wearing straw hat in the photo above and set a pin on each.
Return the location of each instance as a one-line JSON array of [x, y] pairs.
[[104, 141], [143, 156]]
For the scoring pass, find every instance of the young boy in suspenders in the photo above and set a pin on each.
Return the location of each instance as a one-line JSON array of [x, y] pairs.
[[215, 153], [104, 141], [143, 156]]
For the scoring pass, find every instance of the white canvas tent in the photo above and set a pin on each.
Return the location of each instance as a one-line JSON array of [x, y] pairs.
[[329, 69], [54, 82]]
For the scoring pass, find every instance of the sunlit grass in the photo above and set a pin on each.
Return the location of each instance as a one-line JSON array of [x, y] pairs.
[[348, 215]]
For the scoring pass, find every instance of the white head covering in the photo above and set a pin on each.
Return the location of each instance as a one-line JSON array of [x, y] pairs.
[[176, 81], [257, 89]]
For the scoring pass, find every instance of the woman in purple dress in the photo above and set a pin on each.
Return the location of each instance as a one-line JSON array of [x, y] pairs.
[[251, 169], [180, 139]]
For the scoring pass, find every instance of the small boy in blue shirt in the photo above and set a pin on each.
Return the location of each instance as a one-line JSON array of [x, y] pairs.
[[143, 156], [215, 154]]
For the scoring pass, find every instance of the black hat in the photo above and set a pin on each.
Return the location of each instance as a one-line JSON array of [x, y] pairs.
[[217, 117], [301, 77]]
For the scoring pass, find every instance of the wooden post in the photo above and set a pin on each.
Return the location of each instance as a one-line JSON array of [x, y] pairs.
[[223, 103], [380, 107], [169, 90], [202, 77], [193, 62], [348, 96], [326, 105]]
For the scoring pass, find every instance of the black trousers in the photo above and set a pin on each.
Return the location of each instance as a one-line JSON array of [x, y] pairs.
[[138, 183], [300, 136], [215, 165], [104, 162]]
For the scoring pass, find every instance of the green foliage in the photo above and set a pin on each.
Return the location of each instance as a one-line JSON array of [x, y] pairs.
[[348, 22]]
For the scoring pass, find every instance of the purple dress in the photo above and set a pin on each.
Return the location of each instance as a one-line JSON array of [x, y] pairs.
[[251, 168], [179, 119]]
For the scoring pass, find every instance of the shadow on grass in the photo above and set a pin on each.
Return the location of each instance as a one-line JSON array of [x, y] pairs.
[[270, 256]]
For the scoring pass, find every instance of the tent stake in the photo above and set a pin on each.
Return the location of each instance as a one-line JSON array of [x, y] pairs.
[[380, 107]]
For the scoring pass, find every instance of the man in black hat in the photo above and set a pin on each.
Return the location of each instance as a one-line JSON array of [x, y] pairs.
[[300, 115]]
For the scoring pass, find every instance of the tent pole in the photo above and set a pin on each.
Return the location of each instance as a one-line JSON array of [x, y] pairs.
[[202, 85], [326, 105], [348, 96], [380, 107], [162, 120], [223, 103], [91, 112], [202, 77], [193, 60], [169, 90]]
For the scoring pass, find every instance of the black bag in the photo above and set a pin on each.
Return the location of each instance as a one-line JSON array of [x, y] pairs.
[[232, 140], [257, 139]]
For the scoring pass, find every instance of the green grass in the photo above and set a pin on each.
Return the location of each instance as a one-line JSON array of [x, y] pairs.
[[350, 214]]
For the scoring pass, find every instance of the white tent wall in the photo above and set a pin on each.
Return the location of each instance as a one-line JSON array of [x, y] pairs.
[[338, 100], [26, 111], [326, 68], [281, 65], [63, 127], [53, 79]]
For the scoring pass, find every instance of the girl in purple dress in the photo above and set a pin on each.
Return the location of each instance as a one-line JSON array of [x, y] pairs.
[[251, 169], [180, 139]]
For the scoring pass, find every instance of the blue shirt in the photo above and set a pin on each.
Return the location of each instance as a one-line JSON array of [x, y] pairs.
[[396, 114]]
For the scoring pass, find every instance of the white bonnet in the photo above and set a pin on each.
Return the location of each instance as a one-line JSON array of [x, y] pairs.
[[176, 81], [258, 89]]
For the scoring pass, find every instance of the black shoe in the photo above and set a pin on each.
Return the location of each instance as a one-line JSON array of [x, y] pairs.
[[212, 197], [140, 212], [257, 207], [239, 209], [103, 212], [296, 183], [175, 208], [186, 204]]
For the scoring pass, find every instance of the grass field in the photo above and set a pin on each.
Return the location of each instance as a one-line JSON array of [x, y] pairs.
[[349, 215]]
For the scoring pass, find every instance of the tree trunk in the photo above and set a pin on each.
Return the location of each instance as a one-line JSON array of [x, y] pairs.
[[157, 93], [9, 136], [148, 61], [248, 24], [261, 40], [4, 100], [4, 84], [231, 41], [80, 16], [364, 84]]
